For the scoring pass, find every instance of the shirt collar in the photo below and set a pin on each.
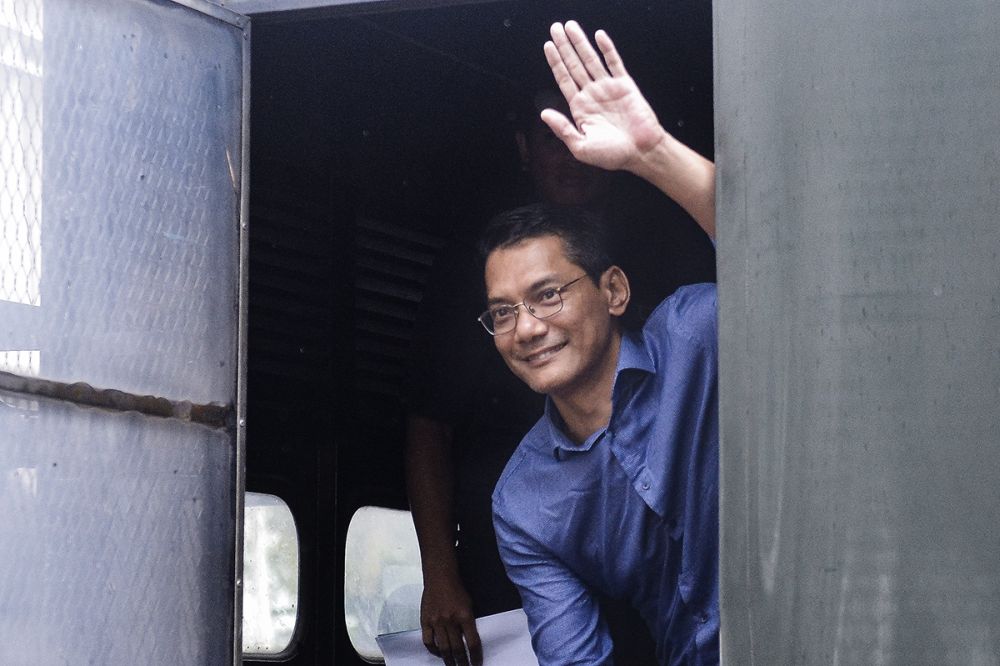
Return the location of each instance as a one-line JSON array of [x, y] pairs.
[[561, 444], [632, 355], [634, 360]]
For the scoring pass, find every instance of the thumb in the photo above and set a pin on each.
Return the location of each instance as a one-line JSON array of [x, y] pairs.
[[563, 128]]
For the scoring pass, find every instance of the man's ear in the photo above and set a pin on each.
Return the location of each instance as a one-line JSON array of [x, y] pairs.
[[522, 146], [614, 284]]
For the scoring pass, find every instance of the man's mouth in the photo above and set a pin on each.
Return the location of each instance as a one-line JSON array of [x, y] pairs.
[[543, 354]]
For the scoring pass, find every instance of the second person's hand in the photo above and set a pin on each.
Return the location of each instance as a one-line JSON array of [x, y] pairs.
[[449, 624]]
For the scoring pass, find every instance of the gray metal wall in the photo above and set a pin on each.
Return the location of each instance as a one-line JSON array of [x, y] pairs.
[[117, 536], [120, 200], [858, 146]]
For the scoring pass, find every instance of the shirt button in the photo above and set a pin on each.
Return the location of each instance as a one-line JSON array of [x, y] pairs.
[[645, 486]]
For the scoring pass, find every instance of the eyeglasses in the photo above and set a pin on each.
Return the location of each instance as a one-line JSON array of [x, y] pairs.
[[502, 319]]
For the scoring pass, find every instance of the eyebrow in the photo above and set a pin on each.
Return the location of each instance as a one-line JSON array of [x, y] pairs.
[[535, 286]]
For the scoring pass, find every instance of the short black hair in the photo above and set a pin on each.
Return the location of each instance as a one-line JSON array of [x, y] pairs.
[[583, 234]]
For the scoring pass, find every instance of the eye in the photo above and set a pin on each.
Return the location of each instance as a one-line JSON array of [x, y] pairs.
[[548, 297], [502, 312]]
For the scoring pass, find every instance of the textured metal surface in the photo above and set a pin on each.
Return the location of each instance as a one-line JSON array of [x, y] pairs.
[[115, 539], [128, 157], [239, 480], [20, 155], [858, 146], [124, 168], [274, 7]]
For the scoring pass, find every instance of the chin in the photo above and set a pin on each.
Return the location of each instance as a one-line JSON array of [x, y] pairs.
[[547, 381]]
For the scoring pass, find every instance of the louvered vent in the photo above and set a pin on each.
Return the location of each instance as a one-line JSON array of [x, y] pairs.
[[392, 267], [290, 275]]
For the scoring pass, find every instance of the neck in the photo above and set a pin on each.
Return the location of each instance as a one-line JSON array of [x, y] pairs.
[[587, 408]]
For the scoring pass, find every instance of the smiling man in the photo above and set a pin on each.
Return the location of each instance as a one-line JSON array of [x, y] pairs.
[[614, 491]]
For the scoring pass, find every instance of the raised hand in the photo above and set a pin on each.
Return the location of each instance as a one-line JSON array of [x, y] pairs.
[[612, 126]]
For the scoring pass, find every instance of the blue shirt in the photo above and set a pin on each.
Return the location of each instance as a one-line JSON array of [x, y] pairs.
[[632, 512]]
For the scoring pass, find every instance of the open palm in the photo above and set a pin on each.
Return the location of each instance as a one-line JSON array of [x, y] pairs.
[[612, 124]]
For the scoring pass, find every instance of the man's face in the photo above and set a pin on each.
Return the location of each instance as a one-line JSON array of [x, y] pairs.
[[558, 177], [572, 349]]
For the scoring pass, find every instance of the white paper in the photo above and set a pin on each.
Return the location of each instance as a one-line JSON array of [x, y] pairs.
[[505, 638]]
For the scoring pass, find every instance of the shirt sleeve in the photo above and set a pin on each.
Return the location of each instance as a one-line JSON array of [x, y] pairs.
[[692, 312], [563, 614]]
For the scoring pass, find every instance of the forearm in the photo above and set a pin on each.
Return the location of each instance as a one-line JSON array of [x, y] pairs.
[[430, 487], [563, 615], [683, 175], [447, 623]]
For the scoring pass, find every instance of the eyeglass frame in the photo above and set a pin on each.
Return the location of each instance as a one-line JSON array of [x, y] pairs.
[[559, 290]]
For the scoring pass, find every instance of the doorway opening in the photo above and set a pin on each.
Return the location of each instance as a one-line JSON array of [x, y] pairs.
[[376, 140]]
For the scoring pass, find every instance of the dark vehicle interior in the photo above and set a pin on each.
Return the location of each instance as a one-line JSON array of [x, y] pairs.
[[375, 137]]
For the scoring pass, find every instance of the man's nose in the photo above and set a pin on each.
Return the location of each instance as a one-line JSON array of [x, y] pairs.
[[528, 327]]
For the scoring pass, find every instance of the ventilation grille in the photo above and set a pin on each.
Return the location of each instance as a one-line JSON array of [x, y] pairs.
[[290, 277], [392, 265]]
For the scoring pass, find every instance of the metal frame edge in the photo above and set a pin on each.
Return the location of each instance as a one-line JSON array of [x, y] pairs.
[[242, 23], [215, 11], [273, 7], [241, 378]]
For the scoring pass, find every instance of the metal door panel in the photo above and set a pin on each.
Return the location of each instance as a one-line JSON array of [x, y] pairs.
[[122, 258], [858, 149], [122, 191], [115, 538]]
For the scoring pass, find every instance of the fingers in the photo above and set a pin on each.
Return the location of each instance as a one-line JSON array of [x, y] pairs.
[[440, 645], [574, 61], [562, 127], [611, 57], [586, 53], [567, 86], [568, 55], [440, 641], [472, 642], [457, 646], [427, 636], [444, 640]]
